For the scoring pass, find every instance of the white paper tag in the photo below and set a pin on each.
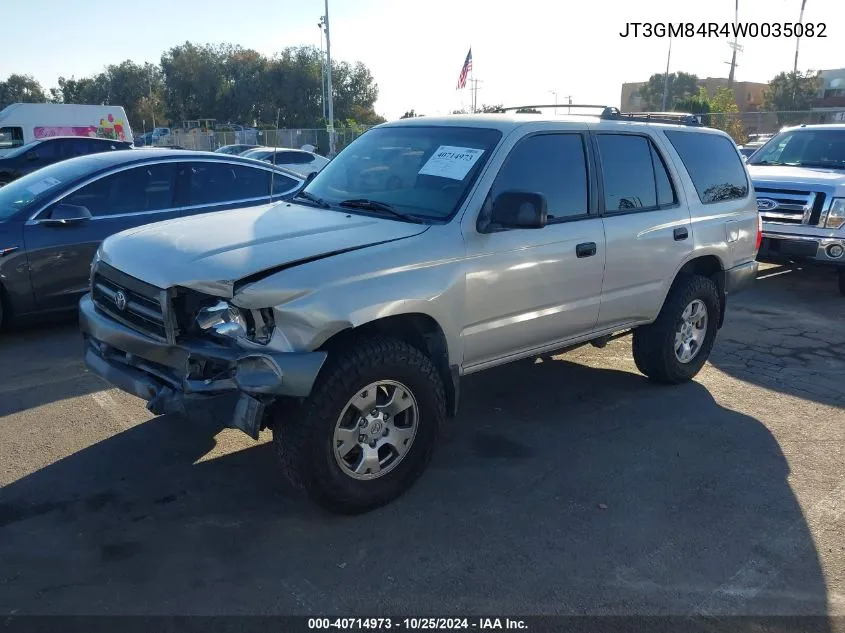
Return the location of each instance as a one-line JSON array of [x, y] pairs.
[[43, 185], [451, 162]]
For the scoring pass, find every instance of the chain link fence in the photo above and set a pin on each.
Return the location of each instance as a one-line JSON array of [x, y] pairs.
[[287, 138], [742, 125]]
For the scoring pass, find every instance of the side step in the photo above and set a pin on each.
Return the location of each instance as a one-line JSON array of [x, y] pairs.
[[602, 341]]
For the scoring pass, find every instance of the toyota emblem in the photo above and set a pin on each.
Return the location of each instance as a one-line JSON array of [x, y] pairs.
[[120, 300], [766, 204]]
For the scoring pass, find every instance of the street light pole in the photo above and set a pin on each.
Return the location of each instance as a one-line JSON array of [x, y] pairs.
[[329, 85], [321, 26]]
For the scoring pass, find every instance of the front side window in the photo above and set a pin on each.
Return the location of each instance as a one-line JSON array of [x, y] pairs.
[[424, 171], [219, 183], [11, 137], [554, 165], [713, 164], [146, 188], [804, 148]]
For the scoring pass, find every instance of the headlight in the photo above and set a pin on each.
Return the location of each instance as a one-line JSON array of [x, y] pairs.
[[224, 319], [836, 215]]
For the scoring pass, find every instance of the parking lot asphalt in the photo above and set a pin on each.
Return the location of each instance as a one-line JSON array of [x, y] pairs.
[[567, 485]]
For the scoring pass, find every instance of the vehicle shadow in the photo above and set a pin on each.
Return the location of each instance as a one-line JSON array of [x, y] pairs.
[[560, 489], [782, 333]]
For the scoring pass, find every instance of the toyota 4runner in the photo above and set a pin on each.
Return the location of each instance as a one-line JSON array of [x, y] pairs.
[[428, 249], [799, 178]]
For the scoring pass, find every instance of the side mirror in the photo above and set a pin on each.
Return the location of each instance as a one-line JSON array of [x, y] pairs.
[[66, 214], [519, 210]]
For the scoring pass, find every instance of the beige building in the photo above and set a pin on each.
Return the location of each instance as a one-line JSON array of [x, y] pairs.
[[749, 94]]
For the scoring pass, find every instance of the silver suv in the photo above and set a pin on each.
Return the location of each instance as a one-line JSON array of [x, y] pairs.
[[799, 177], [428, 249]]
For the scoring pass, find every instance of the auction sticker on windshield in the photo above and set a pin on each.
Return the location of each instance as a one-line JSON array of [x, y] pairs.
[[451, 162]]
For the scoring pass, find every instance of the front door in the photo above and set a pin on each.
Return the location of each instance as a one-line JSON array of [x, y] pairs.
[[531, 288], [60, 255]]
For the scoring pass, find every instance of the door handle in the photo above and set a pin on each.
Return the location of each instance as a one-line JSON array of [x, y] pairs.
[[587, 249], [680, 234]]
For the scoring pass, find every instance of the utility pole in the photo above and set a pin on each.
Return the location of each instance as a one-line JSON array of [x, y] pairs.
[[735, 46], [569, 99], [329, 85], [666, 76], [475, 83], [555, 94], [797, 38]]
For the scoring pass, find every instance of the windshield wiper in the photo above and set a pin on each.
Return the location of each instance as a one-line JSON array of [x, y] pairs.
[[375, 205], [305, 195]]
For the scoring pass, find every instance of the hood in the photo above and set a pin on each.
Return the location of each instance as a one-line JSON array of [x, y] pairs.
[[808, 177], [210, 252]]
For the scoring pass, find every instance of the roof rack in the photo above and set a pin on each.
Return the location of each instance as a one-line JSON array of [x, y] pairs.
[[555, 105], [611, 113], [684, 118]]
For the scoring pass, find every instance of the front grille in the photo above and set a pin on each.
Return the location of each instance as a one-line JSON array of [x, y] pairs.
[[130, 301], [791, 206]]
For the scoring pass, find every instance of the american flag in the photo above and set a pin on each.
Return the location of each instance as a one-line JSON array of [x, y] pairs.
[[462, 78]]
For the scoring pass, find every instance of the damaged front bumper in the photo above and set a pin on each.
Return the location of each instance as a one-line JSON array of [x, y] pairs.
[[176, 378]]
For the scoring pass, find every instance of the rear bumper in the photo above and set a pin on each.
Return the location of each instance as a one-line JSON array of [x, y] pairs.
[[177, 378], [779, 247], [740, 277]]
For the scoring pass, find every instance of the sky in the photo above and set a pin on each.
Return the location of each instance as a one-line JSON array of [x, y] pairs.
[[523, 50]]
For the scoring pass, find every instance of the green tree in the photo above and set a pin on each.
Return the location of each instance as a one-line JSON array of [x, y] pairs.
[[528, 111], [485, 108], [788, 92], [21, 89], [681, 86], [410, 114], [727, 118]]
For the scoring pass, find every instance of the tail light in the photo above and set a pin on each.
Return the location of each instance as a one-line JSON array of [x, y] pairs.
[[759, 231]]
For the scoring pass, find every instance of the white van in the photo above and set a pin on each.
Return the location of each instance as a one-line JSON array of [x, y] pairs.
[[22, 123]]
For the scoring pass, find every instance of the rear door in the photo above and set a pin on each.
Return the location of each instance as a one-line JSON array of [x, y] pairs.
[[646, 224], [60, 255]]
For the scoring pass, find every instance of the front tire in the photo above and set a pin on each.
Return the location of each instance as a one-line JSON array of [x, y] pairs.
[[369, 428], [674, 348]]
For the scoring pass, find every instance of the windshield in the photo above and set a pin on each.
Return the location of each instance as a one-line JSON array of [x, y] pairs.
[[35, 188], [804, 148], [258, 154], [418, 170]]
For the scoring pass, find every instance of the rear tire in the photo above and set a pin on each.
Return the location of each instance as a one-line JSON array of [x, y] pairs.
[[307, 437], [656, 346]]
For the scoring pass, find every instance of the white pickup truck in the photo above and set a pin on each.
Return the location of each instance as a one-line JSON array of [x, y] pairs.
[[799, 179]]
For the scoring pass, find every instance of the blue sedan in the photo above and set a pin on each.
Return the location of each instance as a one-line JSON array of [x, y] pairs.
[[53, 220]]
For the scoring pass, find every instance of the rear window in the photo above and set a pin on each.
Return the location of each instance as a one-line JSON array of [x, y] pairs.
[[713, 164], [11, 137]]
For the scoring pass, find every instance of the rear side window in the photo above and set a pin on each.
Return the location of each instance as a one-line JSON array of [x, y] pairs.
[[633, 173], [11, 137], [713, 165], [218, 183]]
